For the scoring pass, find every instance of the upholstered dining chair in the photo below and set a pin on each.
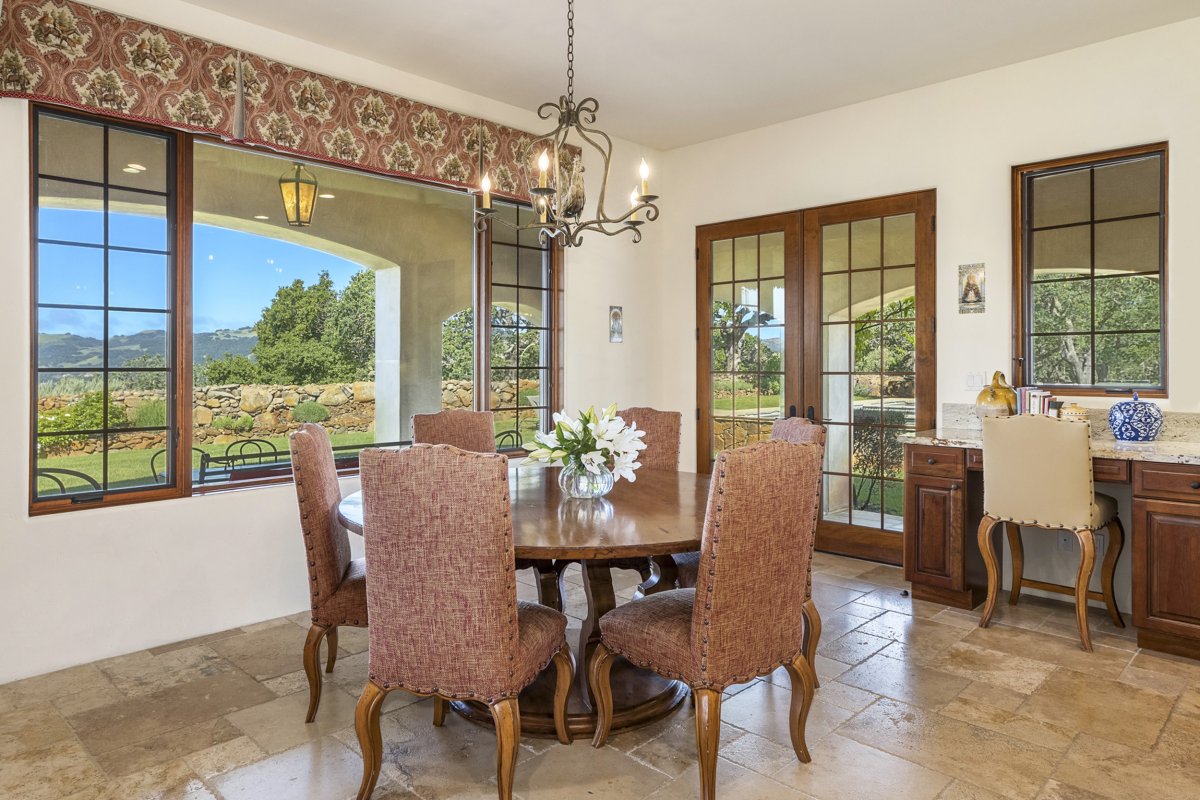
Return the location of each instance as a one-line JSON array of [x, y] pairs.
[[445, 619], [662, 435], [744, 618], [800, 431], [337, 583], [1039, 474], [473, 431]]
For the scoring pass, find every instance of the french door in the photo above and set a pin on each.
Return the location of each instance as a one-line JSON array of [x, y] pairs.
[[836, 324]]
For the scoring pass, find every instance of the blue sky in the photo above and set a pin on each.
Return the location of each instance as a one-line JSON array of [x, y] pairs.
[[234, 274]]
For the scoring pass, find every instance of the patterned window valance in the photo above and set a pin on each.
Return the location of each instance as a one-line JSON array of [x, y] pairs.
[[71, 54]]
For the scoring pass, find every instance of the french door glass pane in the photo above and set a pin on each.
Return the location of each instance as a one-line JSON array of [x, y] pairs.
[[868, 307], [749, 302]]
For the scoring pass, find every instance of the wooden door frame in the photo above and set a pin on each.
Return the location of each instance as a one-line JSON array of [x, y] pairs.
[[844, 538], [790, 224]]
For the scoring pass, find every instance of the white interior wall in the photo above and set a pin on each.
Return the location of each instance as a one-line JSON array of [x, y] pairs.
[[960, 137], [97, 583]]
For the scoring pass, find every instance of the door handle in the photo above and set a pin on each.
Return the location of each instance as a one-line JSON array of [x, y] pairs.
[[811, 413], [791, 411]]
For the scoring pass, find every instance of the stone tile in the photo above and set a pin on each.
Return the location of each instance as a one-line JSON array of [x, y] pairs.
[[580, 771], [290, 683], [279, 725], [847, 583], [49, 773], [1030, 613], [142, 673], [140, 718], [733, 781], [172, 781], [1068, 629], [1010, 723], [961, 790], [763, 710], [316, 770], [1007, 766], [1055, 790], [31, 728], [1103, 662], [1161, 682], [226, 756], [1168, 664], [267, 624], [1120, 772], [1101, 707], [956, 617], [902, 680], [1188, 703], [1001, 669], [200, 640], [886, 575], [892, 599], [992, 695], [843, 769], [102, 694], [840, 565], [265, 652], [757, 753], [827, 669], [837, 623], [853, 647], [826, 595], [351, 640], [166, 747], [924, 636], [861, 610], [832, 692], [673, 750], [1179, 742], [52, 686]]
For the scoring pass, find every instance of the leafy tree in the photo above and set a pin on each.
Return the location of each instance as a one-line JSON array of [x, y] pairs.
[[350, 329], [226, 370], [513, 344], [146, 381]]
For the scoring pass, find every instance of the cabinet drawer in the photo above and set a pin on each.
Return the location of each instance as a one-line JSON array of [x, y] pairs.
[[942, 462], [975, 460], [1110, 470], [1172, 481]]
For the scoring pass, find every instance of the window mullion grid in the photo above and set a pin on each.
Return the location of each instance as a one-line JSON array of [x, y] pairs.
[[1092, 267], [104, 400]]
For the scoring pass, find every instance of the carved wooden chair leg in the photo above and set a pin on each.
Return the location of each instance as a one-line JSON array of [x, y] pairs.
[[331, 642], [370, 740], [812, 636], [1087, 560], [804, 682], [1017, 548], [312, 669], [598, 679], [439, 710], [987, 548], [549, 590], [507, 716], [1116, 542], [564, 665], [708, 738]]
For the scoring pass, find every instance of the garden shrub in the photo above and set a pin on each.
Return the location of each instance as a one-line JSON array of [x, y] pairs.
[[85, 414], [239, 424], [151, 414], [310, 411]]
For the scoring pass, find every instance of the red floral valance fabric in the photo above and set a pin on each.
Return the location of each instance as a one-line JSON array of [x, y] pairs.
[[72, 54]]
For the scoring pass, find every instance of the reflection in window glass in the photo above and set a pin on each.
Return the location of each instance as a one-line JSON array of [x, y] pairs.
[[355, 322]]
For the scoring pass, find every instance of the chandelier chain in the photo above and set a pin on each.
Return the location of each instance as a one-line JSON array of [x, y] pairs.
[[571, 50]]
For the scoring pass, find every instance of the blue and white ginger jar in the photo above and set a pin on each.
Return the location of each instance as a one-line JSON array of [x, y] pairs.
[[1135, 420]]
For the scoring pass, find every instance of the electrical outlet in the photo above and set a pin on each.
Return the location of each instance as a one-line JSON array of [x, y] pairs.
[[975, 380]]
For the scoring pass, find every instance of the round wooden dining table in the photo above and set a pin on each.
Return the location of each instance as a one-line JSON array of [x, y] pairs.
[[659, 514]]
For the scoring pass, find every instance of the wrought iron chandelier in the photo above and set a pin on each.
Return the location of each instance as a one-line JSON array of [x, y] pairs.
[[559, 197]]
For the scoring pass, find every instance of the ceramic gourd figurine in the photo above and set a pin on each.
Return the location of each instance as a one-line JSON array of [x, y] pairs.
[[997, 400], [1135, 420]]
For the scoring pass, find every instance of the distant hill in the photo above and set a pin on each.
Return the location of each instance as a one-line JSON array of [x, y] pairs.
[[69, 350]]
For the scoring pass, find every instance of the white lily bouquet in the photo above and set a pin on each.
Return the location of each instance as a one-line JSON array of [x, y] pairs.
[[594, 451]]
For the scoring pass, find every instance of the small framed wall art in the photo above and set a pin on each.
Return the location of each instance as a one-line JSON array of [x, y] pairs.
[[616, 324], [972, 289]]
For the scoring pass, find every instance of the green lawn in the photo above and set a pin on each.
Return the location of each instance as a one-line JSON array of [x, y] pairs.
[[745, 403]]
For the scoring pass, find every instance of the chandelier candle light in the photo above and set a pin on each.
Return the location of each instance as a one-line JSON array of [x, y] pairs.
[[594, 451], [560, 194]]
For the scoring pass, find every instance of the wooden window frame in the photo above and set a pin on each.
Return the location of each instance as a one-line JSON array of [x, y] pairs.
[[1022, 283], [180, 234]]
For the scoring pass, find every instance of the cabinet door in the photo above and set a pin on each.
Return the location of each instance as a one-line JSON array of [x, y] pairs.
[[934, 509], [1166, 562]]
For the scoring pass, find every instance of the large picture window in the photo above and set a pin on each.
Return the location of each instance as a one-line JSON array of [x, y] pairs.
[[1090, 262], [184, 327]]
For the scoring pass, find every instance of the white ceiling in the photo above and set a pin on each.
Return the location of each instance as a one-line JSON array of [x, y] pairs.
[[672, 73]]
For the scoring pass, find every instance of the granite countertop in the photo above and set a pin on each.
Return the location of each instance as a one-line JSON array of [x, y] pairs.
[[1173, 451]]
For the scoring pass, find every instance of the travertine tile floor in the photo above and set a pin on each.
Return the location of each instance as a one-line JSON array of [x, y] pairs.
[[917, 702]]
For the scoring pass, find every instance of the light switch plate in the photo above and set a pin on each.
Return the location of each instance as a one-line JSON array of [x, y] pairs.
[[975, 380]]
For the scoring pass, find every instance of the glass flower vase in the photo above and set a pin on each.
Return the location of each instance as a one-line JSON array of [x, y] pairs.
[[576, 481]]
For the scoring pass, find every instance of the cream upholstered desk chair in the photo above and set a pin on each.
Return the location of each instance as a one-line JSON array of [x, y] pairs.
[[1038, 472]]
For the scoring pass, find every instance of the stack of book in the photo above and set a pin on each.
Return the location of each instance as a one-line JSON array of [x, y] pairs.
[[1031, 400]]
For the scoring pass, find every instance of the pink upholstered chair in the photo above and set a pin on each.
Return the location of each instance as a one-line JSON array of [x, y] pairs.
[[662, 436], [744, 618], [445, 619], [800, 431], [473, 431], [337, 583]]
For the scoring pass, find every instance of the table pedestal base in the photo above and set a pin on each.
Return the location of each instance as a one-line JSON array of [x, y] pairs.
[[639, 698]]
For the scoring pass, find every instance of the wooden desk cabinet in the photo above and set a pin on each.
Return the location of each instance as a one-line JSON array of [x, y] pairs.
[[943, 504]]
